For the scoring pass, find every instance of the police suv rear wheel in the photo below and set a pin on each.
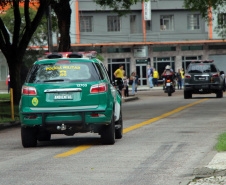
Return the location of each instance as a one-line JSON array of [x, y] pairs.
[[29, 137], [108, 133]]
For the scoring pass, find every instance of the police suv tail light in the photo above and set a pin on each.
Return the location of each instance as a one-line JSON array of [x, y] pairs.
[[28, 90], [98, 88], [187, 76], [216, 75]]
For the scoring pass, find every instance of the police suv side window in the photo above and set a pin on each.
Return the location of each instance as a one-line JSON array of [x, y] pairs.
[[99, 71], [105, 72]]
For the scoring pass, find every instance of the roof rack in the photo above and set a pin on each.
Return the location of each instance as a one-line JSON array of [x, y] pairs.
[[75, 55], [202, 61], [84, 54], [54, 55]]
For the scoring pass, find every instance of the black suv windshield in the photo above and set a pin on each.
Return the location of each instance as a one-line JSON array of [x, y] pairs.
[[201, 68], [61, 72]]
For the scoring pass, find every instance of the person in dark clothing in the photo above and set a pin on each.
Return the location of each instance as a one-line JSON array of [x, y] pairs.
[[179, 79]]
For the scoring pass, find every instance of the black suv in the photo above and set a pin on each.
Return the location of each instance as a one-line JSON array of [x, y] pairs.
[[202, 77]]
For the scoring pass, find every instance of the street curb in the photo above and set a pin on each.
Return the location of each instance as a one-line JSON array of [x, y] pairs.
[[131, 99], [202, 171], [8, 125]]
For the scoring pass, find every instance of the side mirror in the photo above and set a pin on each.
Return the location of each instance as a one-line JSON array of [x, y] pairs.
[[118, 82]]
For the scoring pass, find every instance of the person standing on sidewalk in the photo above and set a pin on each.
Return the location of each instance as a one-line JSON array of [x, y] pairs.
[[179, 79], [8, 83], [126, 85], [119, 74], [132, 79], [136, 82], [150, 75], [182, 77], [155, 77]]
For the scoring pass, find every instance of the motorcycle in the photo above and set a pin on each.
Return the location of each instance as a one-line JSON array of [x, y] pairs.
[[169, 83]]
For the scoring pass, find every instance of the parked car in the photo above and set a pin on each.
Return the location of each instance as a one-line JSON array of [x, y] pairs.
[[69, 95], [203, 77]]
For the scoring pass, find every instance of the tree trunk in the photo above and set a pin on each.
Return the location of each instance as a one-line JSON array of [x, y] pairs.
[[64, 21], [15, 81]]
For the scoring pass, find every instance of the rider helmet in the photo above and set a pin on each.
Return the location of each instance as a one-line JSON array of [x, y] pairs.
[[168, 67]]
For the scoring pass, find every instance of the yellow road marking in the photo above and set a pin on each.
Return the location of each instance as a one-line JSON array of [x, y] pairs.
[[84, 147], [74, 151]]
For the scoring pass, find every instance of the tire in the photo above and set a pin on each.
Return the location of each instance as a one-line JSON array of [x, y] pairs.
[[219, 94], [43, 135], [119, 127], [29, 137], [187, 94], [169, 91], [108, 133]]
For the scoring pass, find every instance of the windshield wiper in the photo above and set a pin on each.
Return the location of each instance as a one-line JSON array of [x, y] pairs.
[[54, 80]]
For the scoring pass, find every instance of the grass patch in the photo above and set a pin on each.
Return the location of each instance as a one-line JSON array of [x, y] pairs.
[[221, 145], [4, 96], [5, 109]]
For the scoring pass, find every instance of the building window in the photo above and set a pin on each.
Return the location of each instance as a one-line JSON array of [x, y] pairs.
[[166, 23], [148, 25], [113, 23], [193, 22], [160, 64], [191, 48], [86, 23], [133, 26], [119, 50], [114, 63], [157, 49], [186, 60], [217, 46], [221, 20]]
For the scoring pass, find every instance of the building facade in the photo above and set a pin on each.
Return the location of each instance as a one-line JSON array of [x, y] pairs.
[[174, 36]]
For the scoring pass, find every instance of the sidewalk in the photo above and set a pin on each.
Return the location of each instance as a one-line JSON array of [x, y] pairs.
[[213, 172]]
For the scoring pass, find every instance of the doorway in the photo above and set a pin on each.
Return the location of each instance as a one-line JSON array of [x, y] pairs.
[[141, 70]]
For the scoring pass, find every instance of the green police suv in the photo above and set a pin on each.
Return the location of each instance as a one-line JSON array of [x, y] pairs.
[[67, 96], [203, 77]]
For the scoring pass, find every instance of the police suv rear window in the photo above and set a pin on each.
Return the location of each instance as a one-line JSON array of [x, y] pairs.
[[63, 72], [201, 68]]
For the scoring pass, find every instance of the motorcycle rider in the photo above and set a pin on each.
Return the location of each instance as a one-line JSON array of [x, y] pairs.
[[168, 71]]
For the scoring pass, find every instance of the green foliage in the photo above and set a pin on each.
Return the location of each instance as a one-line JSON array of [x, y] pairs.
[[203, 7], [5, 109], [100, 57], [221, 145], [40, 36]]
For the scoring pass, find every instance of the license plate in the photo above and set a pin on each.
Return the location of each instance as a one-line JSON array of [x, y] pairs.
[[63, 97], [168, 84], [202, 78]]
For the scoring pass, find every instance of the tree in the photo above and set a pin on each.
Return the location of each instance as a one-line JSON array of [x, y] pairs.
[[39, 37], [15, 48], [63, 12], [203, 6], [206, 6]]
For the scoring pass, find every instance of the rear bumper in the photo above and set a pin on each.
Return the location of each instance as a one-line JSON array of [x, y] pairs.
[[203, 88], [78, 118]]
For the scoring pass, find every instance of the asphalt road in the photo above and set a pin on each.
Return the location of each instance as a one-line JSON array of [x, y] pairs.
[[164, 141]]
